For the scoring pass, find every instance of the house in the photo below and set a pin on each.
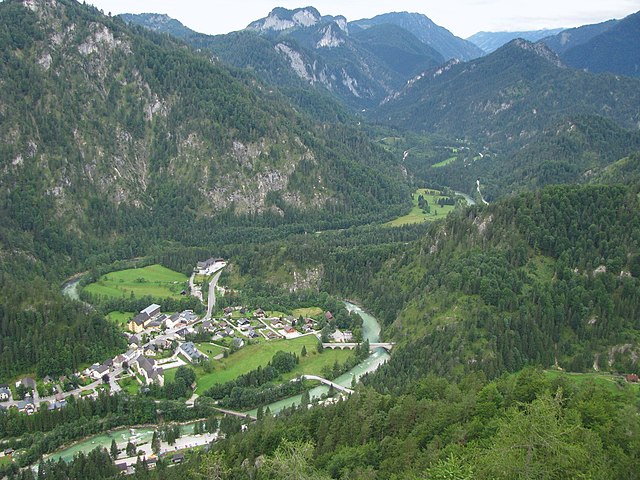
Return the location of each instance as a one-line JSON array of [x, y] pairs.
[[207, 326], [136, 324], [228, 332], [134, 342], [152, 310], [5, 393], [253, 334], [97, 372], [57, 405], [189, 350], [341, 337], [26, 406], [183, 332], [156, 324], [632, 378], [328, 316], [271, 334], [228, 311], [205, 264], [237, 342], [189, 316], [243, 322], [150, 350], [9, 452], [259, 313], [276, 323], [47, 379], [172, 321], [149, 370], [177, 458]]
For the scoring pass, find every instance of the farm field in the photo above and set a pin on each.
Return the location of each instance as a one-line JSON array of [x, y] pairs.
[[153, 281], [307, 312], [416, 215], [252, 356]]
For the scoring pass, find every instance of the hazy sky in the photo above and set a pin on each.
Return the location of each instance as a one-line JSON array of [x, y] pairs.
[[462, 17]]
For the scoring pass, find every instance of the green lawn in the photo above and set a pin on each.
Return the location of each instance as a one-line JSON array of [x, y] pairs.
[[130, 385], [120, 319], [154, 281], [209, 349], [444, 163], [252, 356], [416, 215], [307, 312], [4, 461]]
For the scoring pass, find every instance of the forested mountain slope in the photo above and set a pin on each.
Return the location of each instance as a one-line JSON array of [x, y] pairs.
[[118, 140], [551, 277], [572, 37], [525, 119], [615, 50]]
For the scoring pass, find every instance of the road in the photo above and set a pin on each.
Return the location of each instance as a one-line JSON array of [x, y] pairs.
[[212, 292]]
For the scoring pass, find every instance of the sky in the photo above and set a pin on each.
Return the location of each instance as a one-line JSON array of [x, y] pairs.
[[462, 17]]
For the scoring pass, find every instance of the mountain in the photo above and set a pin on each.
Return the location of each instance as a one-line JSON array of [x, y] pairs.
[[118, 140], [572, 37], [616, 50], [437, 37], [516, 110], [295, 49], [509, 94], [491, 41]]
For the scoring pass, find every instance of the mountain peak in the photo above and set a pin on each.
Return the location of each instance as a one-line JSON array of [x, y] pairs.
[[539, 49], [280, 19]]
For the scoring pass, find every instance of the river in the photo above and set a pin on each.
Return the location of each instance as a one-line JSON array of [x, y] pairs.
[[70, 289], [468, 198], [370, 331]]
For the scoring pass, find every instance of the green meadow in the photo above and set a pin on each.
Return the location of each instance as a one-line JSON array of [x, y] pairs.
[[152, 281]]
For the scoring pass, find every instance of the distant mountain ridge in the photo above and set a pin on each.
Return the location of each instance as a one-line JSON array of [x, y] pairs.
[[571, 37], [437, 37], [491, 41], [294, 48], [615, 50], [534, 120]]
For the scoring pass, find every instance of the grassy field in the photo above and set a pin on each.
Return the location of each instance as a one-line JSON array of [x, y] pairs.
[[615, 383], [4, 461], [307, 312], [252, 356], [445, 162], [209, 349], [130, 385], [416, 215], [120, 319], [154, 281]]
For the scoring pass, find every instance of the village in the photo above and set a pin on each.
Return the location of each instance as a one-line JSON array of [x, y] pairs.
[[159, 342]]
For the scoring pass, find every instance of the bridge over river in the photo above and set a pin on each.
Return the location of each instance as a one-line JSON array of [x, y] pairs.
[[339, 388], [351, 346]]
